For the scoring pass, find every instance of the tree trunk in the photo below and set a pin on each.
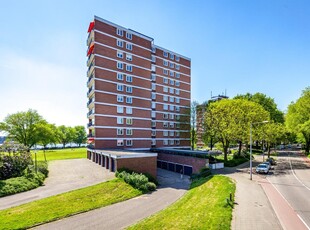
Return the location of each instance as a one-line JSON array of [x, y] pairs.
[[307, 147], [44, 153], [268, 147], [225, 148], [239, 149], [211, 144]]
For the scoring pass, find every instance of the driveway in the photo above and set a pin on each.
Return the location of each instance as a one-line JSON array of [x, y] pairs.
[[64, 176], [123, 214]]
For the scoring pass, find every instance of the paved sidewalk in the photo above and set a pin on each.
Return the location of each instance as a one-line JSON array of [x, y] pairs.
[[64, 176], [123, 214]]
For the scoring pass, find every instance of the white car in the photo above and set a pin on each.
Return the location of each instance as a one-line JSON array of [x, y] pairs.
[[262, 168], [268, 164]]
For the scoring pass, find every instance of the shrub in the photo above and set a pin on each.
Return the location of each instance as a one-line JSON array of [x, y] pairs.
[[150, 186]]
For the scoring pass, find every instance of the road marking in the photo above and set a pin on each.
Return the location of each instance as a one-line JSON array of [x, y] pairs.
[[296, 176], [303, 221]]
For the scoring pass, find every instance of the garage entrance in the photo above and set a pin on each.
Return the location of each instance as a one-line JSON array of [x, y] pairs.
[[175, 167]]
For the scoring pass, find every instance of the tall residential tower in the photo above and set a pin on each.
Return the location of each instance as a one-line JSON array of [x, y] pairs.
[[139, 93]]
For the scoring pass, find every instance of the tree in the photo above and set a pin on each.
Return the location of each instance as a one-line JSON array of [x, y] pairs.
[[274, 133], [23, 127], [80, 135], [230, 119], [65, 134], [193, 117], [47, 135], [298, 118], [268, 104]]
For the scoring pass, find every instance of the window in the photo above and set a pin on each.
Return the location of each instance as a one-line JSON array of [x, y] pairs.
[[171, 56], [128, 57], [128, 35], [153, 49], [119, 76], [129, 110], [153, 124], [171, 107], [177, 67], [129, 89], [129, 142], [153, 58], [171, 125], [177, 142], [171, 82], [120, 109], [177, 100], [177, 91], [177, 117], [120, 131], [153, 68], [119, 65], [119, 43], [153, 86], [177, 133], [165, 71], [119, 54], [153, 133], [119, 32], [129, 121], [171, 133], [171, 99], [171, 90], [177, 125], [171, 65], [129, 100], [177, 83], [119, 87], [165, 133], [153, 77], [153, 96], [165, 80], [177, 108], [153, 105], [153, 114], [165, 63], [120, 142], [177, 58], [129, 46], [129, 78], [165, 142], [120, 120], [165, 89], [165, 54], [171, 142], [165, 115], [171, 116], [165, 106], [165, 98], [177, 75], [171, 73], [129, 132], [153, 142], [129, 68], [120, 98]]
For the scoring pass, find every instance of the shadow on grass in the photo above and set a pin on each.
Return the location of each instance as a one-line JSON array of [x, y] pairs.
[[201, 181]]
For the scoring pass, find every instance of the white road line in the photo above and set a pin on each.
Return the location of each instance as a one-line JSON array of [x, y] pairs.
[[303, 221], [297, 177]]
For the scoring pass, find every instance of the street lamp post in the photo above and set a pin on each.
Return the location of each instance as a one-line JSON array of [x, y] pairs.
[[251, 124]]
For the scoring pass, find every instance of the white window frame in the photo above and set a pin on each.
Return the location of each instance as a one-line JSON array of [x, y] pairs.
[[119, 43], [171, 64], [165, 62], [128, 89], [129, 121], [171, 107], [171, 82], [119, 32], [171, 116], [177, 91], [128, 57], [165, 71], [165, 142], [171, 133], [129, 68], [153, 124], [120, 54], [171, 99], [153, 105], [129, 142], [120, 98], [177, 75], [165, 89], [128, 110], [120, 120], [120, 65], [153, 77], [120, 87], [171, 73], [165, 107], [153, 96], [119, 76], [171, 90], [165, 115], [165, 133], [129, 36], [129, 100], [120, 142], [165, 53], [153, 114], [177, 67], [171, 56], [177, 58], [153, 86], [129, 132], [129, 78], [177, 83], [119, 131], [120, 109], [129, 46], [165, 98], [153, 58]]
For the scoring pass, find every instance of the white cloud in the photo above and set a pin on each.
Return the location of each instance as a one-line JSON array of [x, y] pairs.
[[56, 91]]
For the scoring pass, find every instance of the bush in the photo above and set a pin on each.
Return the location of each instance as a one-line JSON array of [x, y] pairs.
[[136, 180]]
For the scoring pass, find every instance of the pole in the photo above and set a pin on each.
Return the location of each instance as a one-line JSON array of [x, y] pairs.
[[250, 151]]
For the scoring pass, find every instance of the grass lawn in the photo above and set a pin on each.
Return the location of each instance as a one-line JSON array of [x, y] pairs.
[[66, 204], [61, 154], [204, 206]]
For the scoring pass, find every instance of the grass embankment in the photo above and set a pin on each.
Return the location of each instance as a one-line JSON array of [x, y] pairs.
[[66, 204], [60, 154], [204, 206]]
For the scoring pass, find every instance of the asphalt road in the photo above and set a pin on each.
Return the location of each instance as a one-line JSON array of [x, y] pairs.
[[291, 177]]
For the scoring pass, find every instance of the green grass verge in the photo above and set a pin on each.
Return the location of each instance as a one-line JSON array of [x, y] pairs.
[[60, 154], [66, 204], [204, 206], [231, 161]]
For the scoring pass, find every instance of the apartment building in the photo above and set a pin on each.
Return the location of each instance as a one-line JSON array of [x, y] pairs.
[[138, 93]]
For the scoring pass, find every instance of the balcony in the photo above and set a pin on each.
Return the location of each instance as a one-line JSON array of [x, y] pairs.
[[90, 113], [90, 81], [90, 135], [90, 38], [90, 125], [90, 59], [91, 91], [90, 103], [90, 70]]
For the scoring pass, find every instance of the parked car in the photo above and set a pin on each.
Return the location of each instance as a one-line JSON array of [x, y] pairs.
[[268, 164], [262, 168], [272, 161]]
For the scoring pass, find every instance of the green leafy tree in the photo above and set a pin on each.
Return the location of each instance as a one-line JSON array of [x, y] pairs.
[[230, 119], [23, 127], [298, 118], [273, 134], [268, 104], [65, 134], [80, 135]]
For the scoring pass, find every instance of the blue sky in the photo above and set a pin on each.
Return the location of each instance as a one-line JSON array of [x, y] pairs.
[[238, 46]]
